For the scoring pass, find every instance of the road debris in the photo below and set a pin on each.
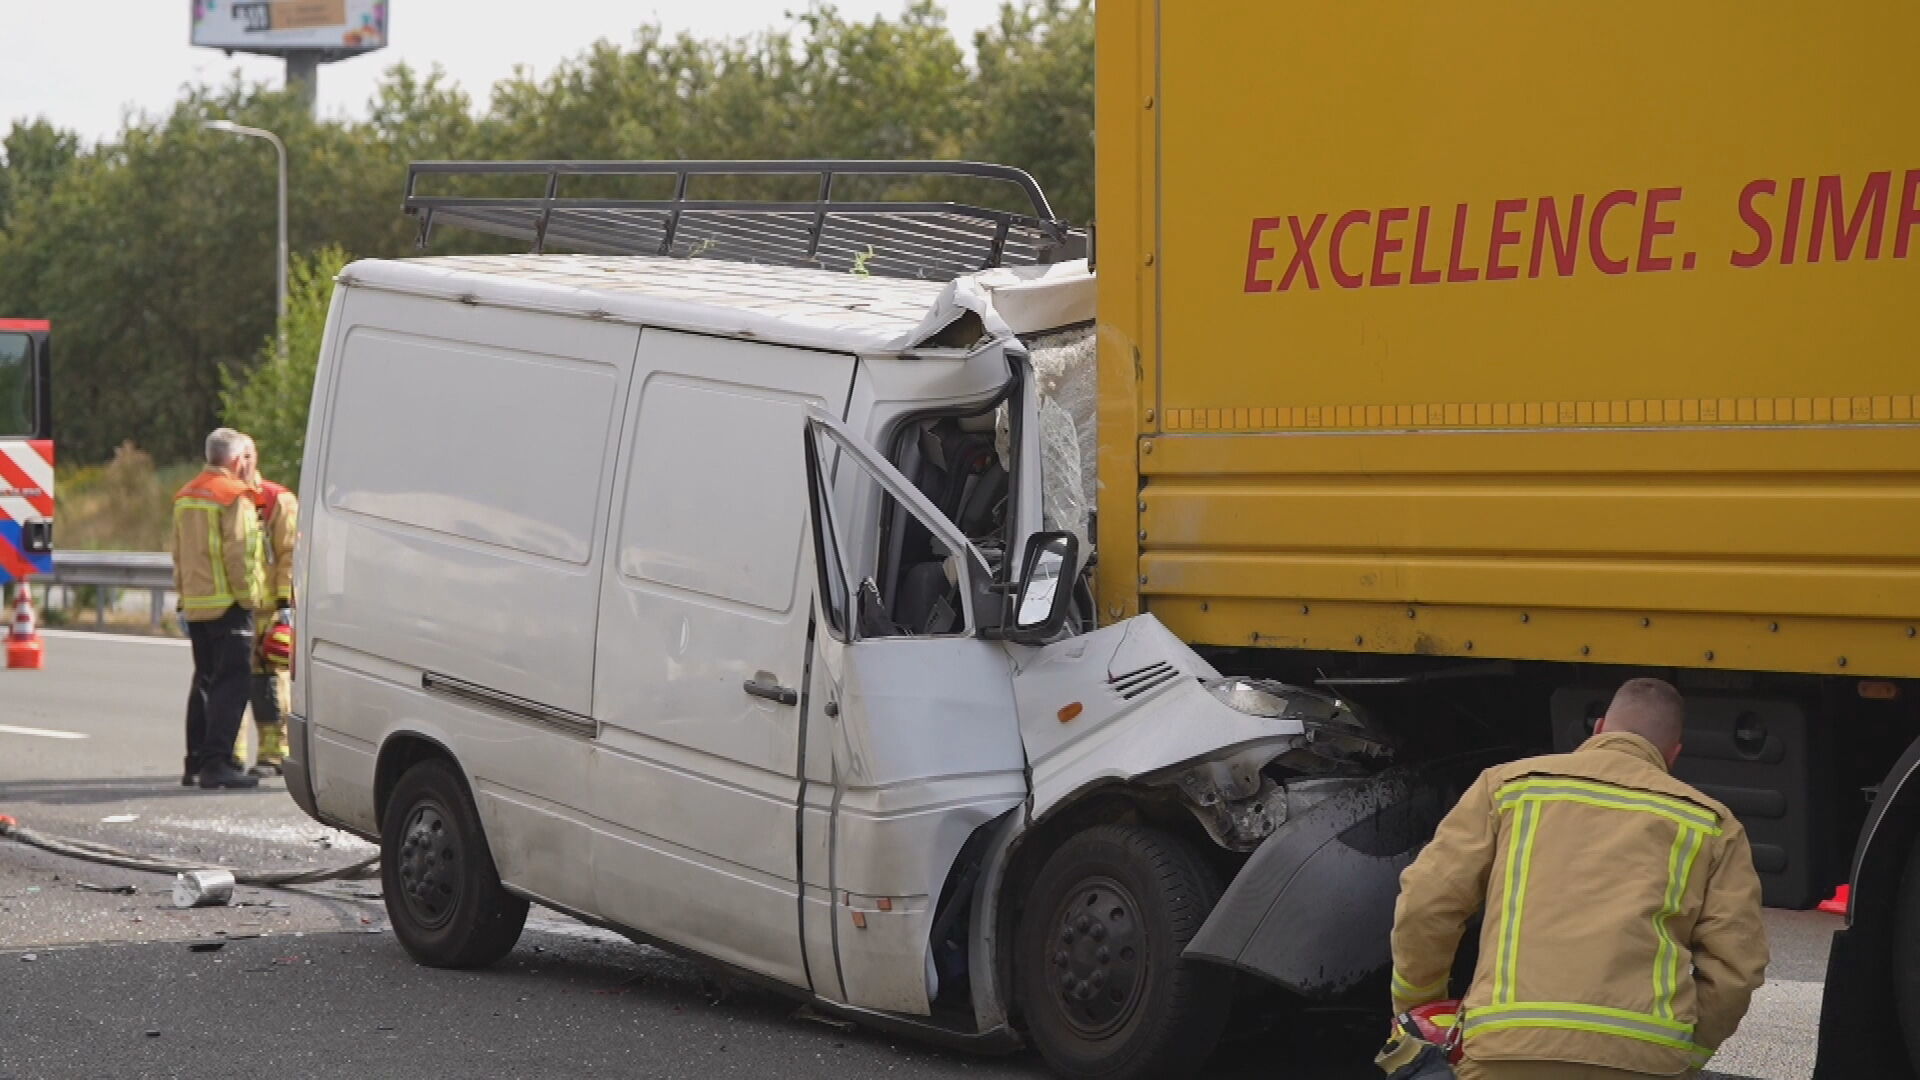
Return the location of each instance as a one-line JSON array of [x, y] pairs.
[[117, 890], [203, 888], [206, 946], [808, 1012], [120, 819]]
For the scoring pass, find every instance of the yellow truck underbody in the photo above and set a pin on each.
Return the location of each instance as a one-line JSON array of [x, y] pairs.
[[1514, 330]]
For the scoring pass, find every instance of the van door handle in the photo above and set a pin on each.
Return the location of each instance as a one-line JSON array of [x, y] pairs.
[[778, 694]]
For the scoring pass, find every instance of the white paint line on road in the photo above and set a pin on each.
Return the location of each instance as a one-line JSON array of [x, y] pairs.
[[44, 733], [129, 639]]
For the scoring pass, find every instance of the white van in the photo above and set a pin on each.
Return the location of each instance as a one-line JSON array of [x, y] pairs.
[[736, 607]]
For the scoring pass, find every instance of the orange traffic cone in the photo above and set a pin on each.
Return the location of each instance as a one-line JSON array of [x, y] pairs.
[[23, 642]]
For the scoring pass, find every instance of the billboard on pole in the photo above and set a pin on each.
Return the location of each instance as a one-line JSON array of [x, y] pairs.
[[274, 26]]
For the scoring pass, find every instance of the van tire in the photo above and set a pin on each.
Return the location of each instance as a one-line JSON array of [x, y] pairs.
[[1100, 1013], [442, 892]]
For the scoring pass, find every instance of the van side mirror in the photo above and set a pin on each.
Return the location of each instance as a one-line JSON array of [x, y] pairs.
[[1046, 586]]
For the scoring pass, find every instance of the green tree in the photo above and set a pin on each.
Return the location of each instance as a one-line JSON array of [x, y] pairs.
[[35, 153], [153, 251], [270, 403], [1035, 96]]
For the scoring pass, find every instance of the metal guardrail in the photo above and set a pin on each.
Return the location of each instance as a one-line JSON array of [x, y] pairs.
[[111, 570], [126, 569]]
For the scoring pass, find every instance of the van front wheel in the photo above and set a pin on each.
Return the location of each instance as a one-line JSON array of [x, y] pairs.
[[1104, 991], [442, 892]]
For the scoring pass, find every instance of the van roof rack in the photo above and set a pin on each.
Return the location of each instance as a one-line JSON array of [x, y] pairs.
[[930, 239]]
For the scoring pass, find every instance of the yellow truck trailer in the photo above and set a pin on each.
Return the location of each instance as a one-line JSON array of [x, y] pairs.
[[1471, 357]]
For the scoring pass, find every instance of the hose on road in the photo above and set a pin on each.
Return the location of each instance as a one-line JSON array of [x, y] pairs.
[[113, 856]]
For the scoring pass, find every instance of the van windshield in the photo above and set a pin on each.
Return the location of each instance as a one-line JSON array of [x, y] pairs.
[[16, 384]]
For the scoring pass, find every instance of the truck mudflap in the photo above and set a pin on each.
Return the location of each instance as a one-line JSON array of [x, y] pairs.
[[1312, 909]]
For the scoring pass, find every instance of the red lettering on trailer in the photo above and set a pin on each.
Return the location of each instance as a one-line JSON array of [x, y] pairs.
[[1566, 245], [1456, 272], [1652, 227], [1503, 238], [1597, 223], [1829, 203], [1302, 252], [1421, 275], [1909, 214], [1755, 220], [1334, 264], [1257, 254], [1790, 241], [1384, 245], [1367, 248]]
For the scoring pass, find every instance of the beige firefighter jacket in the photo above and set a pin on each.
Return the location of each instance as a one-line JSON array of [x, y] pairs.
[[219, 557], [280, 519], [1622, 913]]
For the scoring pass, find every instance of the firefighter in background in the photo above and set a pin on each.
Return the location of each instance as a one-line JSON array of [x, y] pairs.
[[279, 515], [1622, 935], [219, 574]]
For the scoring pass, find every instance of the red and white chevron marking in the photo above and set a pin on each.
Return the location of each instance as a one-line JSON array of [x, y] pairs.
[[26, 494], [26, 478]]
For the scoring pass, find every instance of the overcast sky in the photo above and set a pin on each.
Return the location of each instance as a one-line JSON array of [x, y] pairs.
[[82, 64]]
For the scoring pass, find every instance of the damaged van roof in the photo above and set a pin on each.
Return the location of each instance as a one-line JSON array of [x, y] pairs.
[[791, 305]]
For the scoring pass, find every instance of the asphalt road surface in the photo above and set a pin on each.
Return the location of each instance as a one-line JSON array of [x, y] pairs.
[[96, 979]]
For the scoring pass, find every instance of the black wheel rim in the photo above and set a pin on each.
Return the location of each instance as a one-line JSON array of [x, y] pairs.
[[429, 865], [1096, 962]]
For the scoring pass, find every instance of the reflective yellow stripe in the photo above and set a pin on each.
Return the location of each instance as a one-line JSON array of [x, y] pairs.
[[1527, 796], [1569, 1016], [1502, 940], [222, 597], [1677, 1027], [1514, 902], [1662, 996], [256, 560], [1529, 825], [1666, 964], [1406, 991], [1559, 788]]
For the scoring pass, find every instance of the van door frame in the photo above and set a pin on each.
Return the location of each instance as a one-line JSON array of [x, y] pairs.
[[905, 812]]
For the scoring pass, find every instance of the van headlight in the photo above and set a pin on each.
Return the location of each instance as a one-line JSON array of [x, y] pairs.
[[1245, 696]]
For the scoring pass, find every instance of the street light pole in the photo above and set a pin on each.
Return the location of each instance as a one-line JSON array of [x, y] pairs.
[[280, 276]]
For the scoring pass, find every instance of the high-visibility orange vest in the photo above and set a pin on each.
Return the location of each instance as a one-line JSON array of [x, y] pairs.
[[199, 547]]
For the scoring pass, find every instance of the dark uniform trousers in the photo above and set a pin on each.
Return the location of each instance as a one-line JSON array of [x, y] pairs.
[[222, 678]]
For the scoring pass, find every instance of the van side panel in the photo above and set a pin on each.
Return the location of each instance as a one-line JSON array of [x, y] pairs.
[[456, 499], [469, 457]]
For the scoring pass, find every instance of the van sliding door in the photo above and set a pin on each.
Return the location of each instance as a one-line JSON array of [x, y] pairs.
[[703, 630]]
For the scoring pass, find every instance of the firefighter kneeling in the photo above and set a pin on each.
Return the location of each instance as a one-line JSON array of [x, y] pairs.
[[1622, 935]]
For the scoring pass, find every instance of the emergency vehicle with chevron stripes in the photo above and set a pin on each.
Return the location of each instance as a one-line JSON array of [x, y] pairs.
[[26, 450]]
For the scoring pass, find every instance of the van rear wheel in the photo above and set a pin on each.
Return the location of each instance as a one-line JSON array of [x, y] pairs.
[[1101, 983], [442, 892]]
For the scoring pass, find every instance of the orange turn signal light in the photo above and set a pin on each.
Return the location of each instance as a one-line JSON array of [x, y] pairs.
[[1068, 712], [1879, 689]]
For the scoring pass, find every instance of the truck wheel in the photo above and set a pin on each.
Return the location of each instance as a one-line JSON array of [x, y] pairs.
[[1906, 951], [1100, 980], [443, 894]]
